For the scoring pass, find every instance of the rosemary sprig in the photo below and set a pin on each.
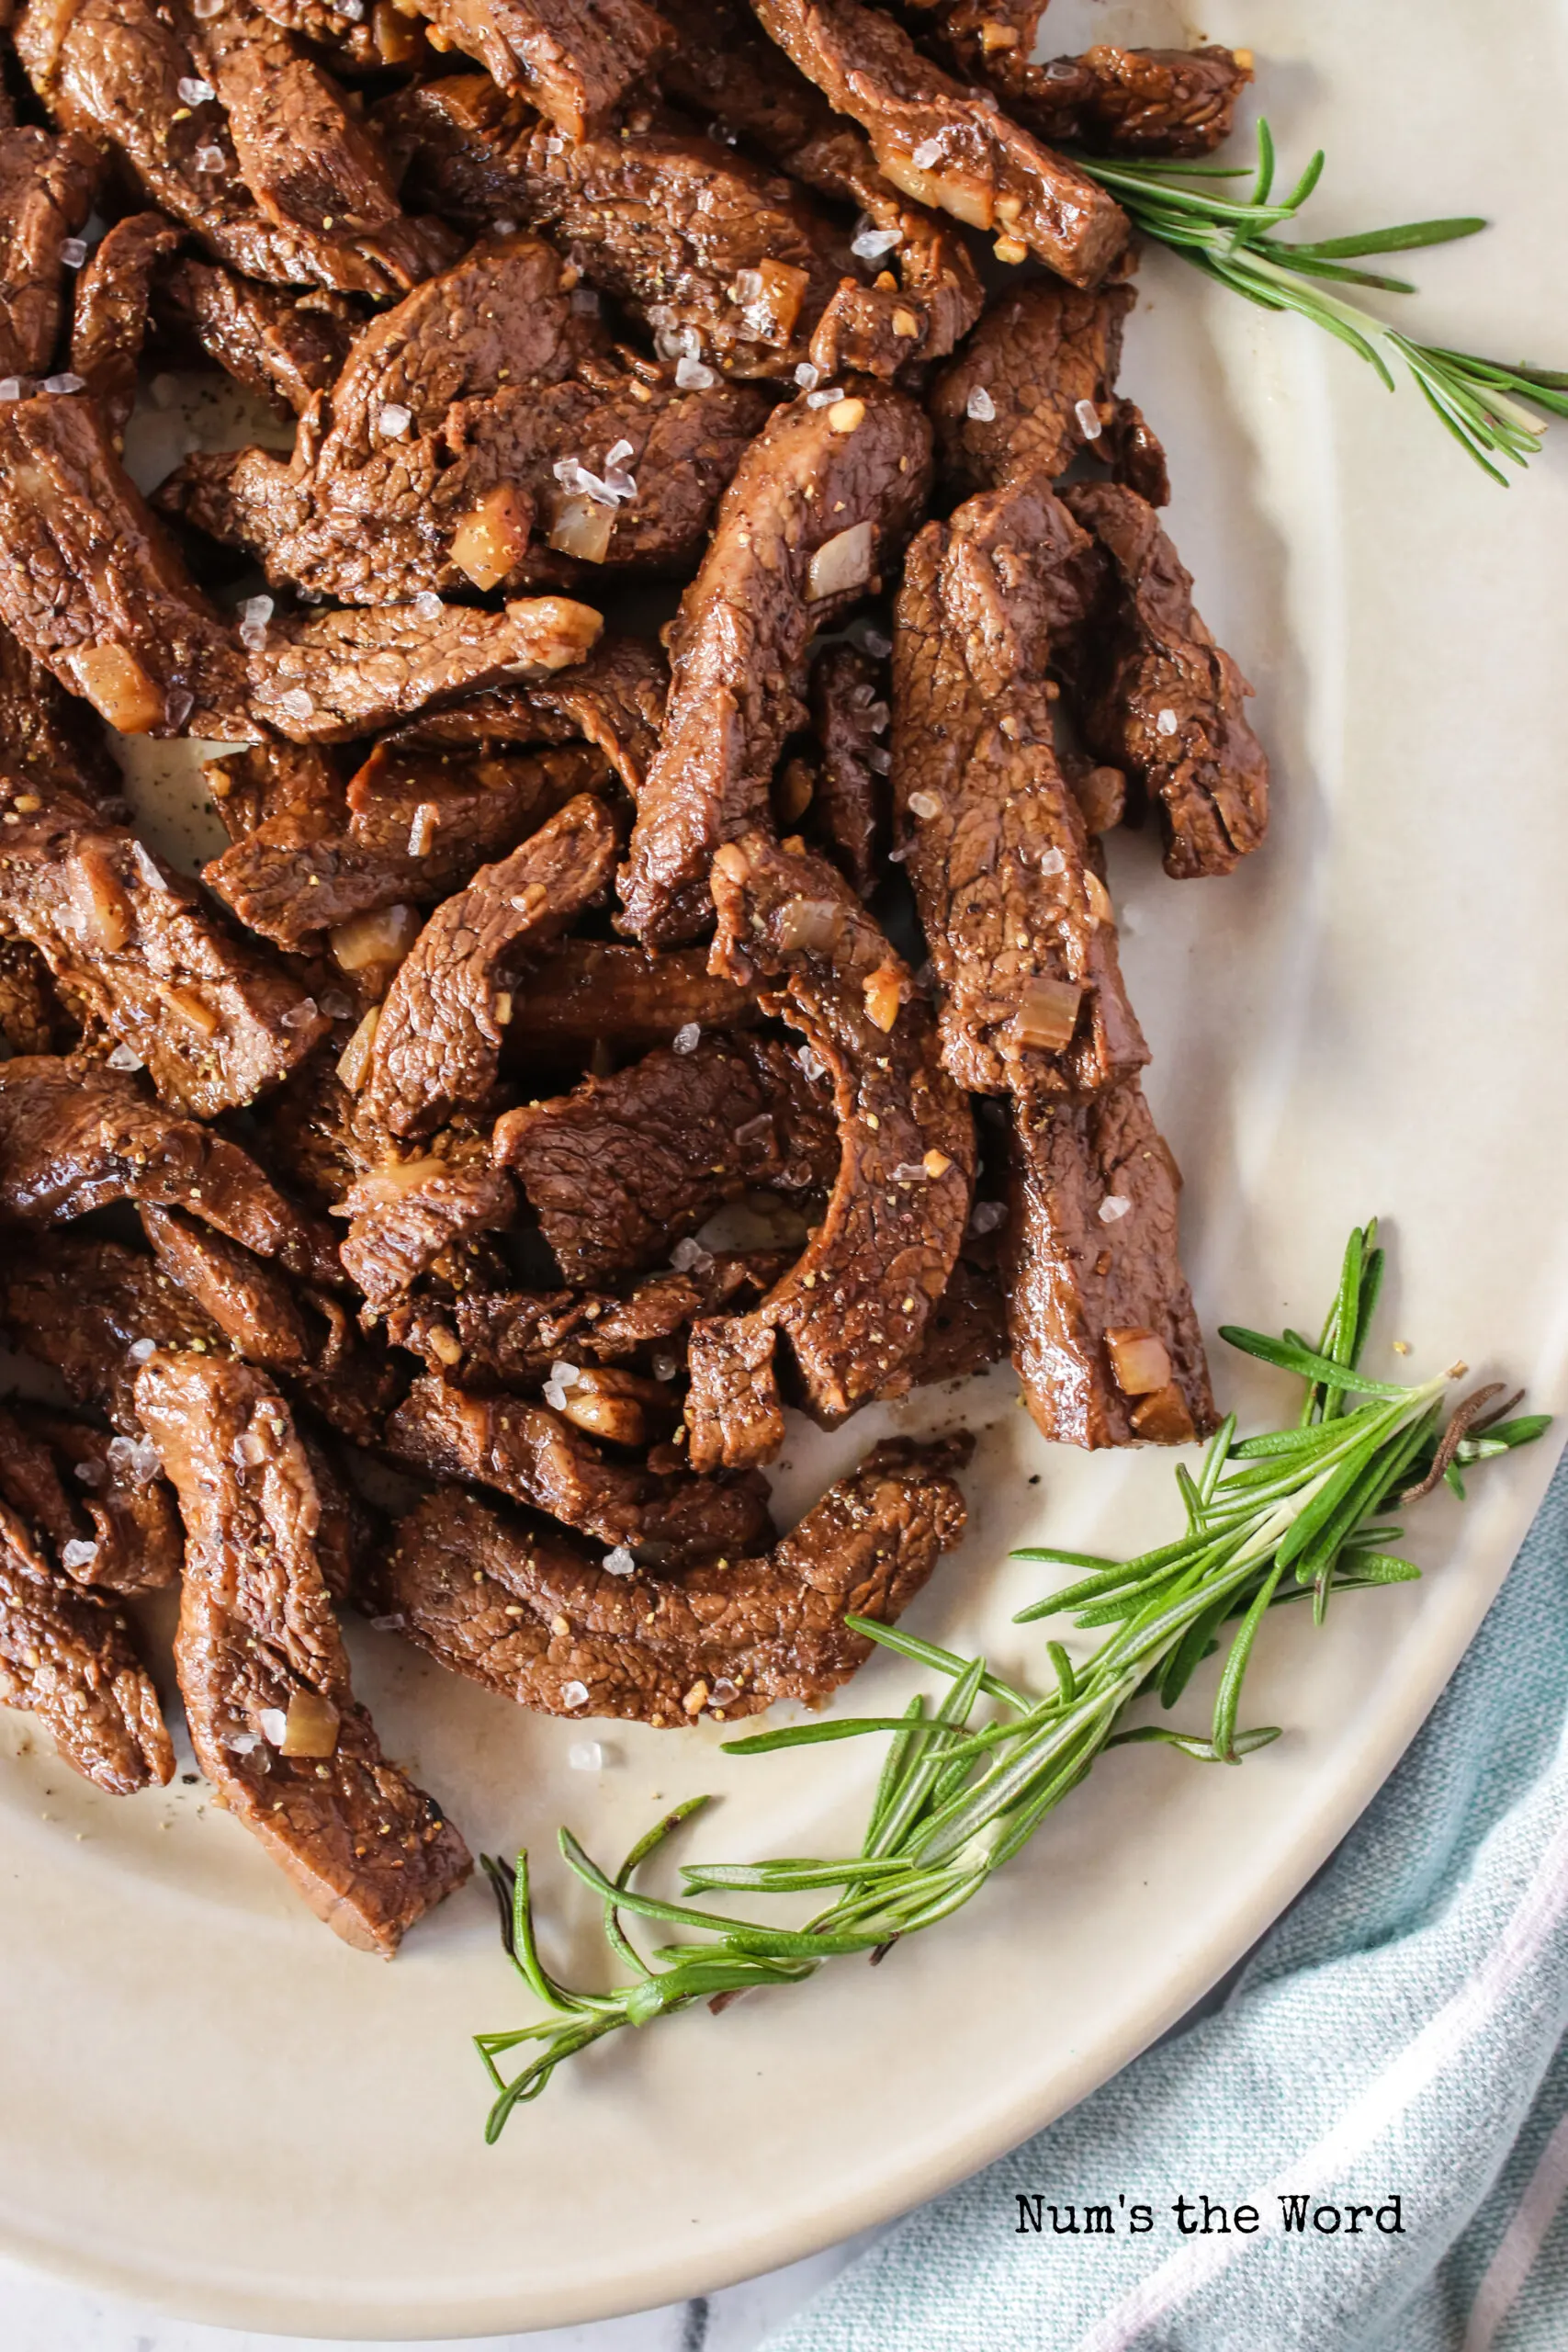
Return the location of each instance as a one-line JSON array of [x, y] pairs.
[[1302, 1510], [1492, 409]]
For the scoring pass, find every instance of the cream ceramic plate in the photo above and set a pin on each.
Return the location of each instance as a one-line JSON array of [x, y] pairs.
[[213, 2106]]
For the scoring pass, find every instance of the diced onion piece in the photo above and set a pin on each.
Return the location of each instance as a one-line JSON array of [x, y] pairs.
[[103, 911], [1139, 1360], [494, 538], [311, 1726], [1098, 898], [968, 200], [1164, 1418], [1048, 1013], [396, 1177], [353, 1062], [583, 527], [118, 687], [382, 936], [840, 563], [193, 1010], [814, 924], [884, 991]]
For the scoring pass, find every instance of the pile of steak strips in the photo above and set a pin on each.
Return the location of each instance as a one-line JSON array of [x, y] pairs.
[[544, 933]]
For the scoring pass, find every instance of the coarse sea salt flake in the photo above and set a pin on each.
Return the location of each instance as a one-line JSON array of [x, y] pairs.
[[619, 1561], [1112, 1207], [428, 605], [927, 152], [66, 383], [665, 1367], [981, 406], [296, 703], [194, 92], [275, 1725], [872, 244], [74, 251], [988, 1217], [807, 376], [257, 609], [1167, 722], [574, 1694], [88, 1473], [687, 1255], [140, 1350], [565, 1376], [394, 420], [145, 866], [300, 1016], [687, 1037], [209, 159], [10, 388], [123, 1057], [242, 1743], [1052, 862], [826, 397], [586, 1755], [693, 377], [1089, 420]]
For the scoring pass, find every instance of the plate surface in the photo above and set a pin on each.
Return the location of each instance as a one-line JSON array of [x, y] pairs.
[[214, 2107]]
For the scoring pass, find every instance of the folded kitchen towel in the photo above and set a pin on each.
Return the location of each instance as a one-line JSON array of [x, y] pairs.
[[1399, 2035]]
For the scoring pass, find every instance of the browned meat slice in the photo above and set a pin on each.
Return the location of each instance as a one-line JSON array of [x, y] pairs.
[[1159, 699], [588, 992], [270, 779], [118, 1510], [351, 673], [1124, 101], [32, 1019], [1033, 385], [94, 1312], [53, 738], [946, 145], [93, 588], [409, 1215], [614, 700], [575, 59], [1103, 1333], [317, 1138], [620, 469], [533, 1454], [625, 1166], [695, 242], [283, 346], [367, 40], [1015, 914], [68, 1659], [262, 1668], [215, 1022], [75, 1136], [819, 509], [856, 1305], [726, 70], [968, 1327], [412, 827], [849, 718], [307, 1338], [112, 71], [110, 321], [528, 1617], [437, 1045], [514, 1339], [45, 193]]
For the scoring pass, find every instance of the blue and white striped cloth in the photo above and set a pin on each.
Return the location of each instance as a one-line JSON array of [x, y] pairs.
[[1402, 2031]]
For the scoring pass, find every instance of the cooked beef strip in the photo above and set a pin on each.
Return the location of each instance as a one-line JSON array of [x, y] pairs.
[[307, 1339], [1073, 1275], [591, 991], [47, 186], [94, 589], [822, 502], [967, 1329], [306, 869], [214, 1020], [276, 344], [32, 1019], [409, 1215], [368, 1851], [727, 70], [511, 1339], [847, 816], [534, 1454], [529, 1617], [342, 674], [318, 1139], [53, 738], [974, 161], [1042, 359], [625, 1166], [665, 222], [82, 1306], [615, 699], [1123, 101], [75, 1136], [110, 320], [105, 1490], [68, 1659], [856, 1305], [376, 38], [1159, 699], [480, 501], [270, 779], [575, 59], [1016, 915], [437, 1045], [111, 71]]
